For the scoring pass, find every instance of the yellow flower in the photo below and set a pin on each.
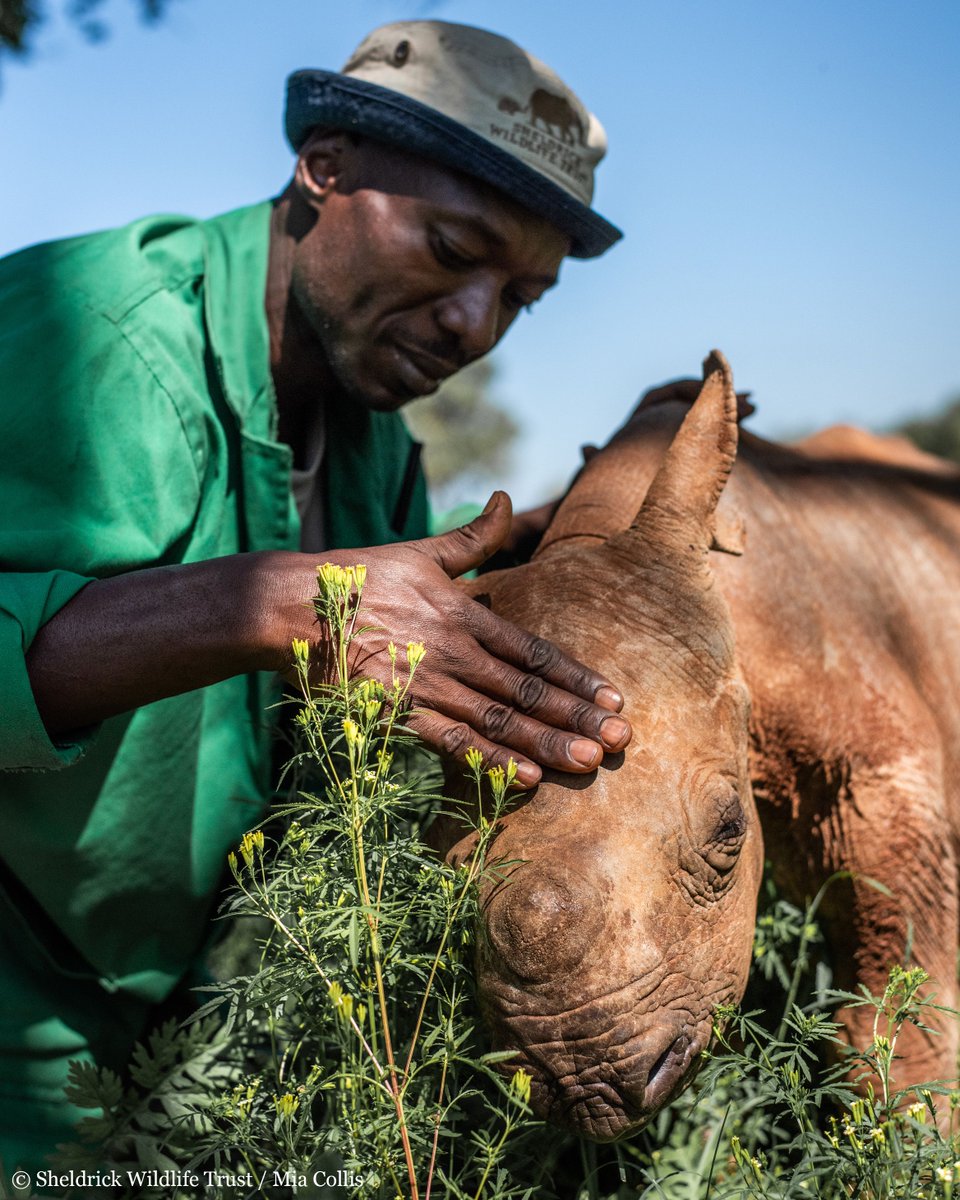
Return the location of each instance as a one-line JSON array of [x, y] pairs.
[[520, 1084], [361, 575], [286, 1104], [415, 653], [335, 582], [328, 577], [301, 651], [369, 689], [251, 846], [351, 731], [342, 1001], [498, 779], [474, 759]]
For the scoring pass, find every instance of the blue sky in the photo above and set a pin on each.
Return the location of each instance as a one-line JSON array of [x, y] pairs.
[[786, 172]]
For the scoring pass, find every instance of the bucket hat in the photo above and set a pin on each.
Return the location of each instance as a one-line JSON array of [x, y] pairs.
[[473, 101]]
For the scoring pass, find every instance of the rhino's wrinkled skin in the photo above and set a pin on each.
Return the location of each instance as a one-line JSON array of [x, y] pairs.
[[815, 677]]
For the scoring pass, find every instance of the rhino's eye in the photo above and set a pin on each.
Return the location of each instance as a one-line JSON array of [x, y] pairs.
[[723, 849], [731, 830]]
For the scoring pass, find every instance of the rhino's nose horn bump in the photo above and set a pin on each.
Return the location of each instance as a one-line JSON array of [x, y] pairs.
[[544, 922]]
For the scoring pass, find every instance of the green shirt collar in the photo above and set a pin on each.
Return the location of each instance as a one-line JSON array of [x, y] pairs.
[[236, 250]]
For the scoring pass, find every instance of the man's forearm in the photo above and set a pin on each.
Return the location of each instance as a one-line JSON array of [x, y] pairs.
[[124, 642], [132, 639]]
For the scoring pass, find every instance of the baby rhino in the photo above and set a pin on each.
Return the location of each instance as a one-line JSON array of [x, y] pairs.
[[810, 683]]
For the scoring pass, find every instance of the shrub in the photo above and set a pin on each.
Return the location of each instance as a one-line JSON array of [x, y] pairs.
[[347, 1058]]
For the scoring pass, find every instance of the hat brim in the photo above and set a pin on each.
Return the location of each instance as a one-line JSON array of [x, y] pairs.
[[343, 102]]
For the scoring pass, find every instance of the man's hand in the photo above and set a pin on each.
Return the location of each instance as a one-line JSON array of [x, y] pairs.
[[132, 639], [484, 682]]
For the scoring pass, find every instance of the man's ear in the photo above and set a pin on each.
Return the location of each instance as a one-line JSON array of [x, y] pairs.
[[320, 163]]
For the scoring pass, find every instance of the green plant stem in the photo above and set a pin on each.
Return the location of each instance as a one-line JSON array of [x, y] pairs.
[[476, 865], [436, 1128], [435, 965], [493, 1155], [372, 925], [798, 968], [267, 910]]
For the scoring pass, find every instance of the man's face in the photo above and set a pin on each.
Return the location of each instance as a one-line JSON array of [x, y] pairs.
[[410, 271]]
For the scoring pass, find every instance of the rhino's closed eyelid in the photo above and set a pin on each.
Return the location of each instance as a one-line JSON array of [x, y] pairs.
[[725, 823], [718, 802], [733, 829]]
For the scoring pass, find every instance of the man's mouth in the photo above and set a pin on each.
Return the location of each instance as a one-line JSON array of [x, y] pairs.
[[420, 370]]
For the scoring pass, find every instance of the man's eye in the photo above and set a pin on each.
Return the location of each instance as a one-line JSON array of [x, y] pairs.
[[451, 256]]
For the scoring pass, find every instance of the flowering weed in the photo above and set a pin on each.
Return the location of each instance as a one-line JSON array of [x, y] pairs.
[[346, 1058]]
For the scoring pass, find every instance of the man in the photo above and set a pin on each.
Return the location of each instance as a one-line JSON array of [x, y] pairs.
[[162, 386]]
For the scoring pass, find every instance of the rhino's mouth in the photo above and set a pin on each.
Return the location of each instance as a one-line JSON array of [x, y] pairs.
[[606, 1065], [602, 1091], [614, 1099]]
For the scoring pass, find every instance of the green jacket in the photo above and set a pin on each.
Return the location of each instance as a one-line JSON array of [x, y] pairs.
[[138, 428]]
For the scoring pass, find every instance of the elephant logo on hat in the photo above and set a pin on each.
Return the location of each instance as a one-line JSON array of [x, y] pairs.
[[556, 113]]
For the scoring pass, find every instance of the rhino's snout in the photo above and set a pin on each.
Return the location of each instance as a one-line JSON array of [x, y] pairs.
[[542, 921], [589, 1008], [617, 1098]]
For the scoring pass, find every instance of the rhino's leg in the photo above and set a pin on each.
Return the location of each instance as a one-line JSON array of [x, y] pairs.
[[889, 828]]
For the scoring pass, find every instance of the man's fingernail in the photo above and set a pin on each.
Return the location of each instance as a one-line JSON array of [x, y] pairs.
[[528, 775], [587, 754], [614, 731], [608, 697]]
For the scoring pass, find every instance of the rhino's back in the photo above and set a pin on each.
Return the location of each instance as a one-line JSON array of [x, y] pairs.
[[851, 442], [853, 527], [846, 601]]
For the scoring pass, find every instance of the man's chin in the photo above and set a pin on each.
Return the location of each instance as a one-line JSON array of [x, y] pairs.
[[386, 381], [381, 399], [388, 395]]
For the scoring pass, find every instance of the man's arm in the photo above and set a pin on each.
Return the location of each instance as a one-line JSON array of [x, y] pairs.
[[126, 641]]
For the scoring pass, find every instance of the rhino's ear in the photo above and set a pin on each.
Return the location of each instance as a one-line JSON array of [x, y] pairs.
[[682, 499], [729, 532]]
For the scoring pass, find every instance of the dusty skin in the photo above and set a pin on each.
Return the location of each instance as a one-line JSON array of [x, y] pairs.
[[808, 676]]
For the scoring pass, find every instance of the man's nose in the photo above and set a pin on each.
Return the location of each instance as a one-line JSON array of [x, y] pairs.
[[472, 313]]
